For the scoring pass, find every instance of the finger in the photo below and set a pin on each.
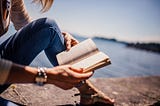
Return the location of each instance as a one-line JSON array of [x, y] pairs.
[[68, 45], [73, 43], [68, 42], [64, 33], [74, 72], [76, 41], [80, 76], [66, 78], [78, 70], [71, 39], [84, 76]]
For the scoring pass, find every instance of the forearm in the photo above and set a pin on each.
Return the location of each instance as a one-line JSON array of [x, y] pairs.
[[15, 73], [21, 74], [63, 76], [27, 74]]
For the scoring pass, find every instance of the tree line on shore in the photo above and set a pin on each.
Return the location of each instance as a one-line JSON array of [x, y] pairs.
[[154, 47]]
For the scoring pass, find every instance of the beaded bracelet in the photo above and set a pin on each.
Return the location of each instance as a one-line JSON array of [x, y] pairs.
[[41, 76]]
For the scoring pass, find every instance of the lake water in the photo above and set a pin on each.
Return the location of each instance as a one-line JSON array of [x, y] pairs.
[[126, 62]]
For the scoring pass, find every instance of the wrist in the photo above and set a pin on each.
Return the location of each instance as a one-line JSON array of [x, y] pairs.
[[41, 76], [52, 75]]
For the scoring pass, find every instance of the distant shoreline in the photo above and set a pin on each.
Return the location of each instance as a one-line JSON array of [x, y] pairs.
[[153, 47]]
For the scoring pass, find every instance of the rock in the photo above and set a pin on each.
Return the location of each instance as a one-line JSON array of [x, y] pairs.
[[134, 91]]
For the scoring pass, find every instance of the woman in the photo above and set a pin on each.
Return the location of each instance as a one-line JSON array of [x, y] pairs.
[[30, 39]]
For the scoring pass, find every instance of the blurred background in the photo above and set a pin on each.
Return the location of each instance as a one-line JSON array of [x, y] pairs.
[[128, 31], [129, 20]]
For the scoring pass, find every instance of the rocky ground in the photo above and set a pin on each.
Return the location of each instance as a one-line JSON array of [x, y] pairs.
[[134, 91]]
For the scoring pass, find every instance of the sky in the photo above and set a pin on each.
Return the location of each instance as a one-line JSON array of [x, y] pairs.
[[126, 20]]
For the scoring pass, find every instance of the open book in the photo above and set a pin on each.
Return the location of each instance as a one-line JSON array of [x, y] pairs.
[[84, 55]]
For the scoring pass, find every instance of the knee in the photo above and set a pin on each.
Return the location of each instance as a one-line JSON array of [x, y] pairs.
[[44, 23], [51, 25], [50, 22]]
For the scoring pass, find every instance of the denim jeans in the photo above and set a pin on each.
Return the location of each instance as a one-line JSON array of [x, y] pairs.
[[29, 41]]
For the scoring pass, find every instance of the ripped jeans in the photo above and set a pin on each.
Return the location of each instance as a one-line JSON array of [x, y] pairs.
[[29, 41]]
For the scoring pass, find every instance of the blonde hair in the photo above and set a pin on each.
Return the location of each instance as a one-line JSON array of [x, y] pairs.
[[46, 4]]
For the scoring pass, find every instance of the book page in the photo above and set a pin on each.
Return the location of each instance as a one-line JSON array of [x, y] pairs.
[[77, 52], [93, 62]]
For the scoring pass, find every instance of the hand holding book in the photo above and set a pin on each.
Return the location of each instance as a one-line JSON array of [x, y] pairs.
[[84, 55]]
